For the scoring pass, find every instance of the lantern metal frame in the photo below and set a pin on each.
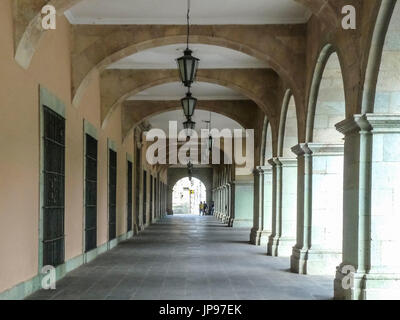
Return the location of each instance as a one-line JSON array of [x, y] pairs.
[[189, 105], [189, 126], [188, 65]]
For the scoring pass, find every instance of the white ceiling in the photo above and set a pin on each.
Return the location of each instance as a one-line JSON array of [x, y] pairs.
[[200, 90], [218, 121], [174, 12], [210, 56]]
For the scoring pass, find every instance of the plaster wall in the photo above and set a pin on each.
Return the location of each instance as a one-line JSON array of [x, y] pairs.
[[20, 161]]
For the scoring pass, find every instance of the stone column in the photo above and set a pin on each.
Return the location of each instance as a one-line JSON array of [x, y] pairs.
[[267, 220], [231, 204], [286, 207], [229, 218], [371, 218], [226, 204], [219, 203], [320, 184], [276, 200], [289, 206], [213, 197], [222, 204], [258, 214], [243, 204]]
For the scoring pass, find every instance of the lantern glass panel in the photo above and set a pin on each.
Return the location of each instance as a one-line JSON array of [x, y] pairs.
[[188, 68]]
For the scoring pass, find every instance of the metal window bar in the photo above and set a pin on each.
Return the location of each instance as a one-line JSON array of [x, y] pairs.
[[91, 194], [151, 198], [144, 197], [137, 185], [112, 195], [53, 188], [129, 197]]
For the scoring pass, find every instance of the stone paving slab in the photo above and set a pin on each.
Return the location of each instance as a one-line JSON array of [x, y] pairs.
[[188, 258]]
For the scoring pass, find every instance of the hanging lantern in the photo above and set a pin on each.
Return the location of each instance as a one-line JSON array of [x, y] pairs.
[[210, 142], [188, 105], [210, 137], [188, 66], [189, 125], [190, 170]]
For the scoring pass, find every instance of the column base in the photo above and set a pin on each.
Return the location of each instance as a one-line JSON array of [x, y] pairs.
[[367, 286], [231, 222], [255, 237], [265, 235], [226, 219], [298, 261], [280, 247], [314, 262]]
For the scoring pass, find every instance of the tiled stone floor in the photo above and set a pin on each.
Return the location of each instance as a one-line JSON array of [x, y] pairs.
[[188, 257]]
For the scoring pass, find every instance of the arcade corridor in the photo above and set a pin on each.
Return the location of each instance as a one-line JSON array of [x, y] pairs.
[[188, 257], [287, 112]]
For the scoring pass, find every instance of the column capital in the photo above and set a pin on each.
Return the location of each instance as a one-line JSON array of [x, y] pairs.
[[288, 162], [265, 169], [243, 182], [273, 162], [258, 171], [370, 122], [327, 149], [300, 149]]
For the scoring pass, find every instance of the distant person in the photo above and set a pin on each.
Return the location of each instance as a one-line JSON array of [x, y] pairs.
[[200, 208], [205, 210]]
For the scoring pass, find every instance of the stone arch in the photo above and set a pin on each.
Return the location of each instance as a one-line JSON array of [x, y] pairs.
[[288, 128], [182, 174], [135, 112], [205, 175], [196, 207], [382, 85], [284, 63], [269, 148], [28, 32], [166, 151], [263, 96], [336, 108], [264, 142]]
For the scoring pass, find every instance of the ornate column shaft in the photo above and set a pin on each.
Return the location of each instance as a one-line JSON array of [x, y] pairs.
[[371, 242]]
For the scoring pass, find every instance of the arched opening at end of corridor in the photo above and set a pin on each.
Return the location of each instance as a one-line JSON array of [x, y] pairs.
[[187, 195]]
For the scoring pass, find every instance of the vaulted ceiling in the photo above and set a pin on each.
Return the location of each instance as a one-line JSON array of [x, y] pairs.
[[174, 12], [203, 12]]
